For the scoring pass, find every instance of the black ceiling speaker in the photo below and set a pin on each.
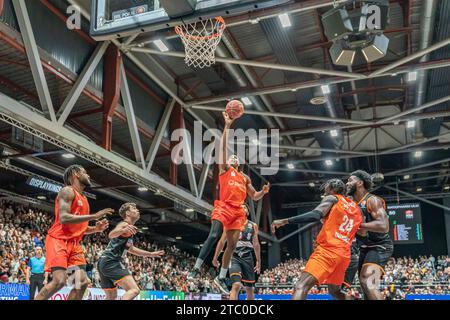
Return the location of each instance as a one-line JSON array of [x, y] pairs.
[[336, 24]]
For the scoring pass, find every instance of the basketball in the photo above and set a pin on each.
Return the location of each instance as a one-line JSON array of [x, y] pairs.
[[235, 109]]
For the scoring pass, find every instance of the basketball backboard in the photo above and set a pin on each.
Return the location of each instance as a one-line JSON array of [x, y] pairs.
[[120, 18]]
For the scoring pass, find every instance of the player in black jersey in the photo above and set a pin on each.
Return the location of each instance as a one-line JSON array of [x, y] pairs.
[[375, 245], [113, 272], [243, 267]]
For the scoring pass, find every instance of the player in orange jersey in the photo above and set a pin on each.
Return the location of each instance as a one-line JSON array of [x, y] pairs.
[[330, 259], [229, 215], [63, 242]]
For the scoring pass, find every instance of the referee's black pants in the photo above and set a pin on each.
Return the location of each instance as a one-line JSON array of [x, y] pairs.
[[36, 281]]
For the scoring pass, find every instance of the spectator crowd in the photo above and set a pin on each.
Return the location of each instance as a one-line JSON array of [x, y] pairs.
[[23, 228], [423, 275]]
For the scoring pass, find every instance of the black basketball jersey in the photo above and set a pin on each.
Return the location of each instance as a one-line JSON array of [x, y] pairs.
[[372, 238], [117, 248], [245, 243]]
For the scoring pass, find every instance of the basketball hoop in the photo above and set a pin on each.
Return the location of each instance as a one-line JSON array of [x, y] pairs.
[[200, 41]]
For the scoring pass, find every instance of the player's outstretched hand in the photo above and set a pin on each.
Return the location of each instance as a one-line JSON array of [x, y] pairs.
[[158, 254], [101, 226], [228, 120], [277, 224], [104, 212], [129, 229], [266, 188]]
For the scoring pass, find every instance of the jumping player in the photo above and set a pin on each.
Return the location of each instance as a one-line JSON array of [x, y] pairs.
[[243, 267], [228, 214], [375, 245], [112, 271], [330, 259], [63, 242]]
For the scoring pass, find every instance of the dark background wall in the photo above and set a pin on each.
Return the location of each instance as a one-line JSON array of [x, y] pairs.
[[434, 234]]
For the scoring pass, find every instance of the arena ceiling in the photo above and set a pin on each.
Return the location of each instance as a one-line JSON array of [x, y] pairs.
[[371, 111]]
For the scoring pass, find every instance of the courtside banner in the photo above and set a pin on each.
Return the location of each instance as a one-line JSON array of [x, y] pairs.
[[160, 295], [286, 297], [90, 294], [428, 297], [14, 291]]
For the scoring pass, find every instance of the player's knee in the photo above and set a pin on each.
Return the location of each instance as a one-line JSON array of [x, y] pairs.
[[236, 286], [59, 282]]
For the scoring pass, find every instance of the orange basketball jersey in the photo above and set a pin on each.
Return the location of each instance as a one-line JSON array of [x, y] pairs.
[[233, 187], [340, 226], [80, 206]]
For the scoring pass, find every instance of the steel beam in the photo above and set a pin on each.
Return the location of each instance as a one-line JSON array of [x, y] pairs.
[[81, 82], [413, 110], [258, 64], [205, 170], [299, 230], [286, 115], [34, 59], [406, 146], [187, 154], [30, 121], [412, 57], [292, 87], [111, 92], [159, 134], [131, 118], [419, 198], [428, 164]]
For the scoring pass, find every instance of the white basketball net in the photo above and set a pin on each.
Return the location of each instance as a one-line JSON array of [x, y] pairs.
[[200, 41]]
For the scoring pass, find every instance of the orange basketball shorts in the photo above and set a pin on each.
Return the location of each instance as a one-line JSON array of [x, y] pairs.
[[327, 266], [232, 218], [63, 254]]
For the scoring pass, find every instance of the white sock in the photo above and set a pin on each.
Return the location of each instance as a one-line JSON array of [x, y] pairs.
[[223, 273], [198, 264]]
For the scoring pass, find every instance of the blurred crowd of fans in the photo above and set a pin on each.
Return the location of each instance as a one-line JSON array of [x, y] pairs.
[[424, 275], [22, 229]]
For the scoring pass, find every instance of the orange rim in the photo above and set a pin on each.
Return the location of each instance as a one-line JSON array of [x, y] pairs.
[[181, 33]]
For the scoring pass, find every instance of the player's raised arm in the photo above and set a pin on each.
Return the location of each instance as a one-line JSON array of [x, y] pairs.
[[122, 228], [256, 195], [380, 224], [99, 227], [223, 152], [143, 253], [219, 248], [315, 215], [65, 198]]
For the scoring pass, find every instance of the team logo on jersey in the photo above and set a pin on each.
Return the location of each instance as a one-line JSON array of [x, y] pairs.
[[80, 203], [233, 174]]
